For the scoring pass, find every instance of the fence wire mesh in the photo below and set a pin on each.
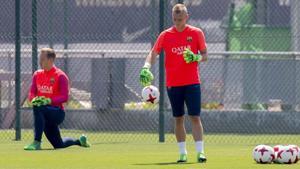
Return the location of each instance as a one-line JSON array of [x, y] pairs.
[[250, 85]]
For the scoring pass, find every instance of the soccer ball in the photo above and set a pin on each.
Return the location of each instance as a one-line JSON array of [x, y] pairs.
[[299, 154], [277, 148], [286, 155], [150, 94], [263, 154], [297, 150]]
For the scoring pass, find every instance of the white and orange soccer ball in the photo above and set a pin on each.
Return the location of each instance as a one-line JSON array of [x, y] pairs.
[[263, 154], [286, 155], [150, 94]]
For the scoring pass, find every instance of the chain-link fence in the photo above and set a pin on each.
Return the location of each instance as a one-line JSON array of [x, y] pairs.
[[250, 83]]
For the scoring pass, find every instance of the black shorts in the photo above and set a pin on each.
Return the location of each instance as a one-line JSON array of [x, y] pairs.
[[190, 95]]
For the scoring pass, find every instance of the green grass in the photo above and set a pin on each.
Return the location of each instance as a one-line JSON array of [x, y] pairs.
[[138, 151]]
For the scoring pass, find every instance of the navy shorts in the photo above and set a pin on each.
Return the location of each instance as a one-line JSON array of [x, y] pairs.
[[190, 95]]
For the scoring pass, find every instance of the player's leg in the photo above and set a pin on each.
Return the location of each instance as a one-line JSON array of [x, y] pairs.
[[55, 117], [193, 103], [180, 129], [176, 97], [39, 123], [53, 135], [180, 133], [82, 141], [197, 130]]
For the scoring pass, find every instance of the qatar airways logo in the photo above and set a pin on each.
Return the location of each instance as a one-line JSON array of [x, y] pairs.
[[179, 50], [45, 89]]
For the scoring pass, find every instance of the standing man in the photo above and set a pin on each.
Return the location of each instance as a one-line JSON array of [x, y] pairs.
[[49, 90], [184, 48]]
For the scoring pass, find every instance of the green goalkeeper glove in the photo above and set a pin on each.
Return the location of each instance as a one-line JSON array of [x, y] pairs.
[[146, 76], [189, 56], [40, 101]]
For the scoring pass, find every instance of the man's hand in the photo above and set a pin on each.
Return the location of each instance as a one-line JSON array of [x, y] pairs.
[[40, 101], [189, 56], [146, 76]]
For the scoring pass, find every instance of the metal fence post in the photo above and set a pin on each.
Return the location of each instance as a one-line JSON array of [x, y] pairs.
[[66, 36], [227, 48], [34, 36], [161, 76], [51, 23], [295, 31], [17, 69]]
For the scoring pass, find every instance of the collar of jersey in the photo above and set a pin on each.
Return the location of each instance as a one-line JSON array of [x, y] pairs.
[[51, 70], [186, 27]]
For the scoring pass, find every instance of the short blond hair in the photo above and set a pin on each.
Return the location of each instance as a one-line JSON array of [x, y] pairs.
[[49, 52], [180, 9]]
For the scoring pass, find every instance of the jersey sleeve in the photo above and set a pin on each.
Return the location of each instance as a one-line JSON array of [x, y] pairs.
[[159, 44], [202, 42], [33, 88], [63, 95]]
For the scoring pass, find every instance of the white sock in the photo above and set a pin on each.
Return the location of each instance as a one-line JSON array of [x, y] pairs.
[[199, 146], [182, 148]]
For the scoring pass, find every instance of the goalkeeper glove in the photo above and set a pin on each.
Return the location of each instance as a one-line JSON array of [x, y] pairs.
[[146, 76], [40, 101], [189, 56]]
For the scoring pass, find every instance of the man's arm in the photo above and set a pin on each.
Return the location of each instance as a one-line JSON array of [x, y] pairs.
[[202, 46], [150, 59], [204, 55], [63, 90], [201, 55], [158, 46], [146, 76], [33, 88]]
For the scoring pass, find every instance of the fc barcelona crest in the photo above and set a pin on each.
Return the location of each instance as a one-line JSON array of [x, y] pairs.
[[189, 39], [52, 80]]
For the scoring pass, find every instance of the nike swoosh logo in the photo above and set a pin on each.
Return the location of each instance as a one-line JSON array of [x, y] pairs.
[[129, 37]]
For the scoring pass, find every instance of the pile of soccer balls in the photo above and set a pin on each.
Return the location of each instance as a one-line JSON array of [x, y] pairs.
[[280, 154]]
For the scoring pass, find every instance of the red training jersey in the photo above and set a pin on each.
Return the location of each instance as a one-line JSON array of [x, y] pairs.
[[178, 72], [53, 84]]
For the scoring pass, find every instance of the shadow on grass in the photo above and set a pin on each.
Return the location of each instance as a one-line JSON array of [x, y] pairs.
[[49, 149], [99, 143], [44, 149], [165, 163]]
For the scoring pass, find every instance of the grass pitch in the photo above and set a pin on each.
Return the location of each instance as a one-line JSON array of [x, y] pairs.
[[138, 151]]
